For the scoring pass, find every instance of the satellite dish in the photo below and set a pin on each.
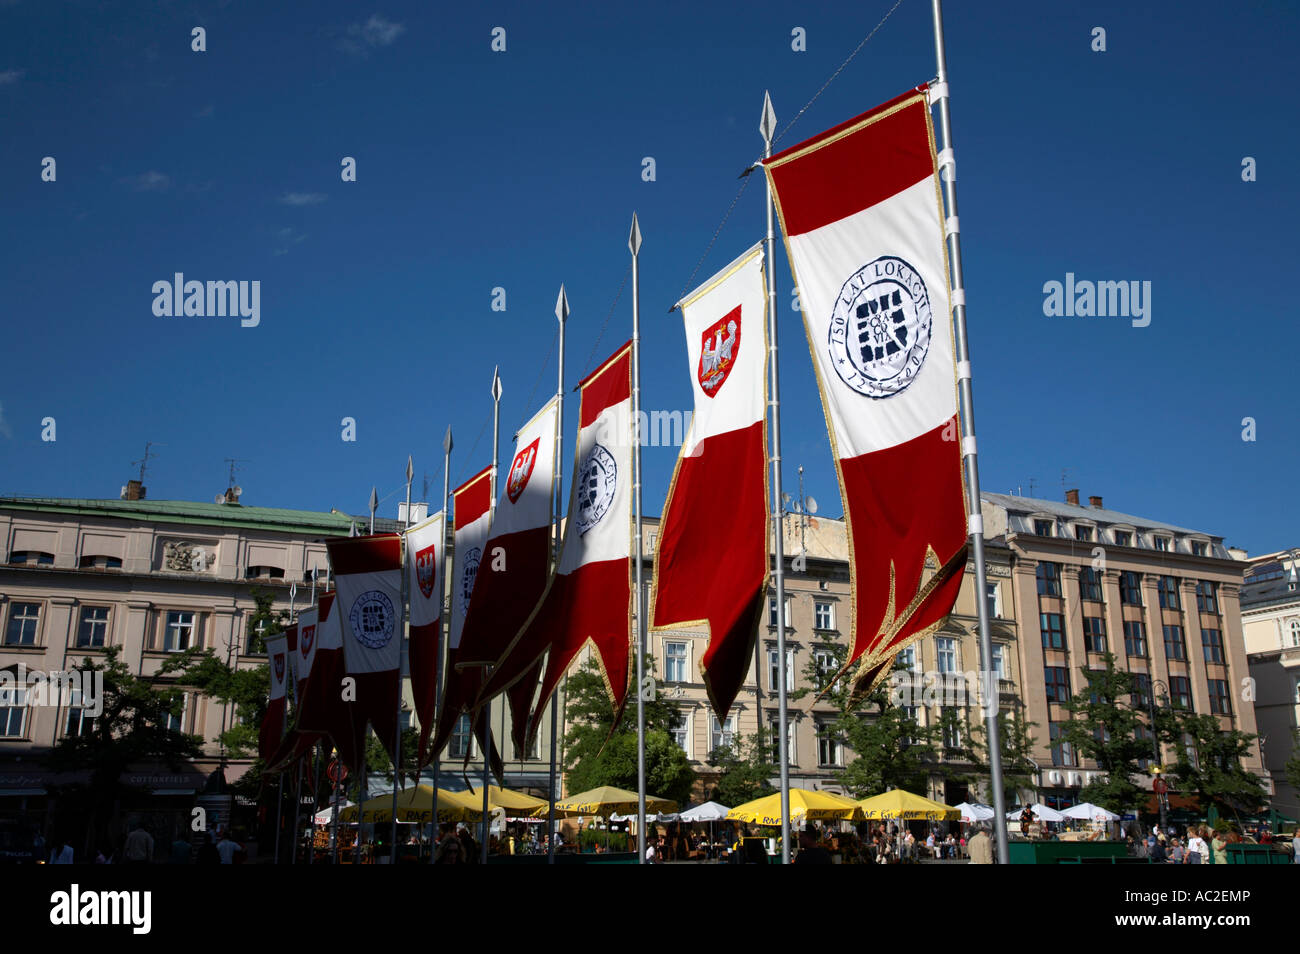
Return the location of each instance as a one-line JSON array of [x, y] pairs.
[[812, 504], [239, 491], [219, 498], [787, 499]]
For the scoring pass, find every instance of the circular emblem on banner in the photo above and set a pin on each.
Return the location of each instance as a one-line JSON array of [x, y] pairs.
[[373, 619], [596, 485], [468, 574], [880, 330]]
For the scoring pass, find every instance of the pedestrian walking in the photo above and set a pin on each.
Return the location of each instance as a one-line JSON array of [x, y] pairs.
[[138, 849]]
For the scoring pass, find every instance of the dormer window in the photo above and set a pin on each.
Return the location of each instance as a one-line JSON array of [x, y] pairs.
[[1200, 548], [1123, 538], [1042, 528], [1160, 543], [1083, 533]]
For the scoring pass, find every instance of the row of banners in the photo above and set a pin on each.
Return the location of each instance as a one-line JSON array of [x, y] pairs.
[[862, 216]]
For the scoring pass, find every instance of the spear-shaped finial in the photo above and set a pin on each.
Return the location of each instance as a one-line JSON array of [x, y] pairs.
[[634, 237], [562, 306], [446, 441], [767, 124], [410, 470], [496, 384]]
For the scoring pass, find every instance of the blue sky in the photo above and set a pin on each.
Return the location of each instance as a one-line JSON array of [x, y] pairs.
[[521, 170]]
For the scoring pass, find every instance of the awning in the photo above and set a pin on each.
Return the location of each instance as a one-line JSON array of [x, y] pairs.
[[21, 792]]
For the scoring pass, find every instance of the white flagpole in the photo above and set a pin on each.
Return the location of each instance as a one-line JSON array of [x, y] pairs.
[[767, 126], [446, 630], [406, 600], [557, 476], [948, 172], [634, 246], [487, 708]]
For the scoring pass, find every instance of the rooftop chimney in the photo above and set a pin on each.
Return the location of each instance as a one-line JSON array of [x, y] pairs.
[[1072, 496], [1094, 503], [232, 494], [134, 490]]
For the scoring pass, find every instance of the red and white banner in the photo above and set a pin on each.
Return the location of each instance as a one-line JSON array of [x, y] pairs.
[[305, 654], [589, 598], [368, 581], [424, 560], [711, 561], [863, 223], [277, 659], [324, 708]]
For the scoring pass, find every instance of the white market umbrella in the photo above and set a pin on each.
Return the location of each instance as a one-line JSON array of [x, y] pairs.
[[1041, 813], [974, 812], [1090, 812], [326, 815], [708, 812]]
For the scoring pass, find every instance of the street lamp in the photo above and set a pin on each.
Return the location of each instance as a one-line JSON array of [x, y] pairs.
[[1159, 785]]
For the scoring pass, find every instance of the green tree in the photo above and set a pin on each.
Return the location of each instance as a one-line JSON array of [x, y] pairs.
[[745, 770], [1209, 761], [1104, 727], [891, 749], [1292, 768], [1018, 766], [598, 752], [133, 727]]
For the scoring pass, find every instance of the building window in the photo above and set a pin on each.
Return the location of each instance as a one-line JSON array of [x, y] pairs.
[[24, 620], [774, 734], [1053, 628], [1175, 647], [907, 657], [93, 631], [1083, 533], [1180, 692], [1130, 588], [1123, 538], [681, 736], [1199, 548], [1094, 634], [1143, 734], [175, 721], [1049, 579], [674, 661], [1207, 596], [1062, 751], [264, 573], [1000, 660], [1160, 543], [1168, 588], [826, 666], [1212, 645], [771, 612], [1141, 698], [460, 737], [1089, 584], [178, 635], [31, 558], [824, 615], [1220, 704], [13, 712], [950, 721], [1056, 679], [1135, 637], [722, 735], [91, 562], [78, 723], [1043, 528], [774, 671], [991, 599], [530, 754], [1295, 632], [946, 653], [829, 750]]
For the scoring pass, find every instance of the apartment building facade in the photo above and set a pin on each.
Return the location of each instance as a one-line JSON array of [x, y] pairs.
[[1163, 599]]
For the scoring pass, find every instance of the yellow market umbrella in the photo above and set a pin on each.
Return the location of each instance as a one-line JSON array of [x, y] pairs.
[[416, 805], [515, 803], [805, 805], [903, 805], [607, 800]]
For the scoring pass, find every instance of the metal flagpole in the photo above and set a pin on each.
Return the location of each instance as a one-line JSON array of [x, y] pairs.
[[634, 246], [406, 598], [446, 630], [557, 503], [334, 757], [767, 126], [948, 170], [487, 708], [316, 751], [297, 814]]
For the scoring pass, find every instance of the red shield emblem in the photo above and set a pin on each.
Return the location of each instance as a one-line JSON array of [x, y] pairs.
[[425, 569], [719, 346], [278, 659], [521, 470], [306, 636]]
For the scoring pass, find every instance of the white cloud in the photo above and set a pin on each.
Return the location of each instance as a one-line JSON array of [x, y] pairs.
[[9, 77], [303, 198], [151, 181], [374, 33]]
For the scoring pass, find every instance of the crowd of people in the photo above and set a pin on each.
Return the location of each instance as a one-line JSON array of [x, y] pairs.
[[1199, 844]]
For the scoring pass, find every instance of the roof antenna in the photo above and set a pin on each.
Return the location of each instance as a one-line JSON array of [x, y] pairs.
[[148, 456]]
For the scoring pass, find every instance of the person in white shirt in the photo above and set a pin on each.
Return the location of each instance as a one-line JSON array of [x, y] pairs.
[[227, 847], [60, 853], [1197, 849]]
